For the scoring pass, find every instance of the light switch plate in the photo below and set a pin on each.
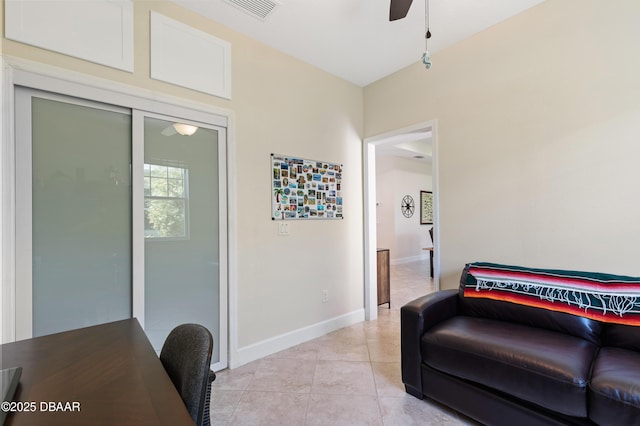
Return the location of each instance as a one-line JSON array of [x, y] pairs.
[[283, 229]]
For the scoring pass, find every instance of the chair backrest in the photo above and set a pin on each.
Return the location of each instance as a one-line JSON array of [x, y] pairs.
[[186, 356]]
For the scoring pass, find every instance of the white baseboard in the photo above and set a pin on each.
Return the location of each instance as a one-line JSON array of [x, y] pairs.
[[275, 344], [404, 260]]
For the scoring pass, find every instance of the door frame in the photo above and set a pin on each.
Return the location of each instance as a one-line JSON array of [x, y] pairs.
[[370, 241], [18, 72]]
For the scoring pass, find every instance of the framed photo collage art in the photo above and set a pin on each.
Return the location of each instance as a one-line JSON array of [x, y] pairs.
[[305, 189]]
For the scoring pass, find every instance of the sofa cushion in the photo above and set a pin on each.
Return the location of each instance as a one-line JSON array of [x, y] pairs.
[[543, 367], [614, 397], [562, 322], [622, 336]]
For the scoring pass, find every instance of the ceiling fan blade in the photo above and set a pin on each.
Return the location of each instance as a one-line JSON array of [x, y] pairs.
[[399, 9]]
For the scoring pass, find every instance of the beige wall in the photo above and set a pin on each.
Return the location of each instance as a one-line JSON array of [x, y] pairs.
[[284, 106], [404, 237], [539, 138]]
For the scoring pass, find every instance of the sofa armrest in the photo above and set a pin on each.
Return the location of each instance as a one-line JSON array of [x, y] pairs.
[[416, 317]]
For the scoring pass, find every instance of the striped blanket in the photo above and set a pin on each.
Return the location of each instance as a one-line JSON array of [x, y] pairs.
[[602, 297]]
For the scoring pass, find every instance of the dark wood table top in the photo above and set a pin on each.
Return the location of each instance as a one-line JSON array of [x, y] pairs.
[[110, 371]]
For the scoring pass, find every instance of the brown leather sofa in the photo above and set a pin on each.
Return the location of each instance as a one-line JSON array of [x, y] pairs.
[[502, 363]]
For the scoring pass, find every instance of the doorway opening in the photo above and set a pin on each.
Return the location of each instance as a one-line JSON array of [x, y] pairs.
[[419, 140]]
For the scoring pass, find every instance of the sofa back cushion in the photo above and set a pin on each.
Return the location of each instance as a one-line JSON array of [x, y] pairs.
[[621, 336], [566, 323]]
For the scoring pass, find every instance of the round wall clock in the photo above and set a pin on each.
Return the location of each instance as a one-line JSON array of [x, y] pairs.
[[407, 206]]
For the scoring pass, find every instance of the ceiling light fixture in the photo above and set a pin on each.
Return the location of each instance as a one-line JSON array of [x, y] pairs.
[[426, 59], [185, 129]]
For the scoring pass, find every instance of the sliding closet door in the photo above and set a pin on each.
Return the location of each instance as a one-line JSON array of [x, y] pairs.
[[184, 281], [118, 216], [73, 220]]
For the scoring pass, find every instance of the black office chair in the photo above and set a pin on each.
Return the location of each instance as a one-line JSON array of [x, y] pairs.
[[186, 356]]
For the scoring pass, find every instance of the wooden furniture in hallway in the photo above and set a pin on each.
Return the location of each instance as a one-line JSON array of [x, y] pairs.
[[384, 278], [430, 253]]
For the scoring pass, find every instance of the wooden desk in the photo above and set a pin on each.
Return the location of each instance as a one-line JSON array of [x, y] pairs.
[[111, 370]]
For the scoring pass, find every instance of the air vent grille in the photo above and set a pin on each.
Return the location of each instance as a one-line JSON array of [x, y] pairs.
[[260, 9]]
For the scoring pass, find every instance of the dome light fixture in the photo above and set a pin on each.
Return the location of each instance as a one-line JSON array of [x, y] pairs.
[[185, 129]]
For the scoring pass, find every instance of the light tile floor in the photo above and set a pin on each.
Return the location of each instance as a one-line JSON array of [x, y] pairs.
[[348, 377]]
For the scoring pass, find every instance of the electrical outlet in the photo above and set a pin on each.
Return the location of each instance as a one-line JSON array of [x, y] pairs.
[[283, 229], [325, 296]]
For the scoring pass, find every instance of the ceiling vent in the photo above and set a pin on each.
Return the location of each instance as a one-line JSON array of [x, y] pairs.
[[260, 9]]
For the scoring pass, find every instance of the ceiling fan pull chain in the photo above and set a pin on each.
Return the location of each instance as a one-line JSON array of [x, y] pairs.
[[426, 59]]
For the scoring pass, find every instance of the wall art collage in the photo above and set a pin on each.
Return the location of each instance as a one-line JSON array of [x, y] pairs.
[[305, 189]]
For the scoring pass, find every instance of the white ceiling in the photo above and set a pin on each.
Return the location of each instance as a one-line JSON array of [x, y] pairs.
[[353, 39], [415, 145]]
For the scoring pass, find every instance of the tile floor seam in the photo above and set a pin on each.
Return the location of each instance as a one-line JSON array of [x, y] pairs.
[[233, 413], [380, 411], [375, 382], [313, 378]]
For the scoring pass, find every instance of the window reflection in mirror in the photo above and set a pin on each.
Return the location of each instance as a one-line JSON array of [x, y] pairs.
[[165, 201]]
